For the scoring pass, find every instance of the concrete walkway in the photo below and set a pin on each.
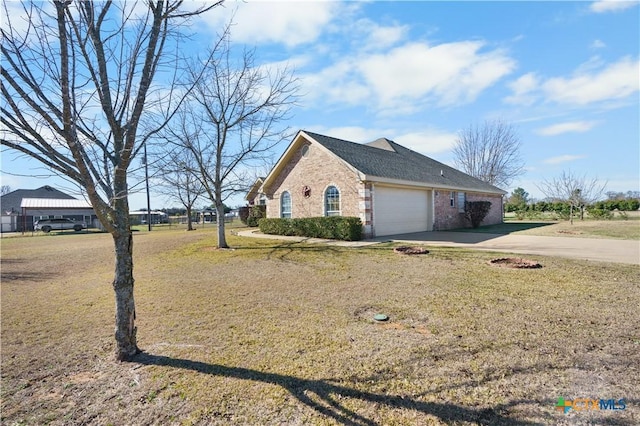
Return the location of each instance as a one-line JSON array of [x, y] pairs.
[[605, 250]]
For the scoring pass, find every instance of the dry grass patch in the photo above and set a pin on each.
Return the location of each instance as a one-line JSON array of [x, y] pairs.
[[616, 229], [273, 333]]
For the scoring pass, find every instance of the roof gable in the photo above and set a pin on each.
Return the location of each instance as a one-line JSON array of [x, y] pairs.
[[388, 160], [255, 189]]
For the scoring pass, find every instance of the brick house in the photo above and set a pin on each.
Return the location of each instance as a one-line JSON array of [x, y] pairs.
[[392, 189]]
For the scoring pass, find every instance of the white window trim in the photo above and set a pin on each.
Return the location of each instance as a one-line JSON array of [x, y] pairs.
[[290, 205], [324, 201]]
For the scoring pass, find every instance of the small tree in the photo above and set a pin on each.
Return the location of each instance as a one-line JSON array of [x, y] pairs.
[[490, 153], [518, 202], [232, 120], [577, 191], [476, 211], [177, 179]]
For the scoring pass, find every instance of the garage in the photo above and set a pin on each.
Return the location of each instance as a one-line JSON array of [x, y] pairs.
[[401, 210]]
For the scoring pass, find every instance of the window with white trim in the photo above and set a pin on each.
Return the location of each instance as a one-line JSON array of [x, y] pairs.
[[285, 204], [332, 201], [452, 199]]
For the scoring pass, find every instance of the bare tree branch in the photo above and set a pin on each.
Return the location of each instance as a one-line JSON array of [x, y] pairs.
[[578, 191], [238, 109], [76, 86], [490, 153]]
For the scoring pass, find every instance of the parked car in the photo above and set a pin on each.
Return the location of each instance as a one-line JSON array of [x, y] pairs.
[[46, 225]]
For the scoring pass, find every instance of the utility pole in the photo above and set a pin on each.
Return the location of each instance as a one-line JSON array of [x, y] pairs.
[[146, 177]]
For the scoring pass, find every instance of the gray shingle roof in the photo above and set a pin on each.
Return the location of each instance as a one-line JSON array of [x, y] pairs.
[[401, 163], [11, 201]]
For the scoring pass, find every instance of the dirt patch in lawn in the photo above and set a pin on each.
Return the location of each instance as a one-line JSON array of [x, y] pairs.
[[515, 263], [275, 333], [408, 250]]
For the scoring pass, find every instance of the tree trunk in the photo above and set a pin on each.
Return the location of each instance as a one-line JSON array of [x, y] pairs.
[[126, 342], [571, 214], [222, 240], [189, 221]]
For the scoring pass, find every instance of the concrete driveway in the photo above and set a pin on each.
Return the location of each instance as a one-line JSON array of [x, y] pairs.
[[604, 250], [619, 251]]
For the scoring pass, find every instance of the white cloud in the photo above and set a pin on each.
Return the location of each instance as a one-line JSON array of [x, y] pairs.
[[524, 89], [592, 82], [563, 159], [449, 73], [409, 76], [377, 37], [429, 141], [289, 23], [568, 127], [602, 6], [598, 44], [617, 81]]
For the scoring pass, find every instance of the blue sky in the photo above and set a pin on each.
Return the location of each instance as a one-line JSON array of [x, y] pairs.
[[565, 74]]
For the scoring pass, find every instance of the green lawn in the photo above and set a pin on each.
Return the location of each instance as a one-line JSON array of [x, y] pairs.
[[271, 333]]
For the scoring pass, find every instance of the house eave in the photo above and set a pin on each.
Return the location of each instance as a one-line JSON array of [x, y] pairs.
[[426, 185]]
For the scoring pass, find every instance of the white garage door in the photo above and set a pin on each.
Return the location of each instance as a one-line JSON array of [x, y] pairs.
[[400, 211]]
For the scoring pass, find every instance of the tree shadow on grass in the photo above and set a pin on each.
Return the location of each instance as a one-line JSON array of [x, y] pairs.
[[11, 271], [284, 250], [324, 397]]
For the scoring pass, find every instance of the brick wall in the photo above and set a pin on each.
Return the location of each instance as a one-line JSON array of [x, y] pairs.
[[448, 217], [495, 214], [317, 171]]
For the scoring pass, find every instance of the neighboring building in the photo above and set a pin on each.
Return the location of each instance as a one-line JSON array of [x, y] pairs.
[[255, 196], [141, 217], [392, 189], [22, 207]]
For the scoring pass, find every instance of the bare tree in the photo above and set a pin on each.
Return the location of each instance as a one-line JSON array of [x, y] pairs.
[[577, 191], [490, 153], [175, 173], [77, 89], [5, 189], [232, 121]]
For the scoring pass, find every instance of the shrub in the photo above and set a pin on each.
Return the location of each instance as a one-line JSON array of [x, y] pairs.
[[533, 215], [476, 211], [250, 215], [600, 213], [629, 205], [333, 227]]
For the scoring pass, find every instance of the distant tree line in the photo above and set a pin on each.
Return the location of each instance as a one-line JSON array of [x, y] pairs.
[[560, 206], [518, 202]]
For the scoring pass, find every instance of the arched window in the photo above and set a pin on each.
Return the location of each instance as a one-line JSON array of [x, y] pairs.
[[332, 201], [285, 204]]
